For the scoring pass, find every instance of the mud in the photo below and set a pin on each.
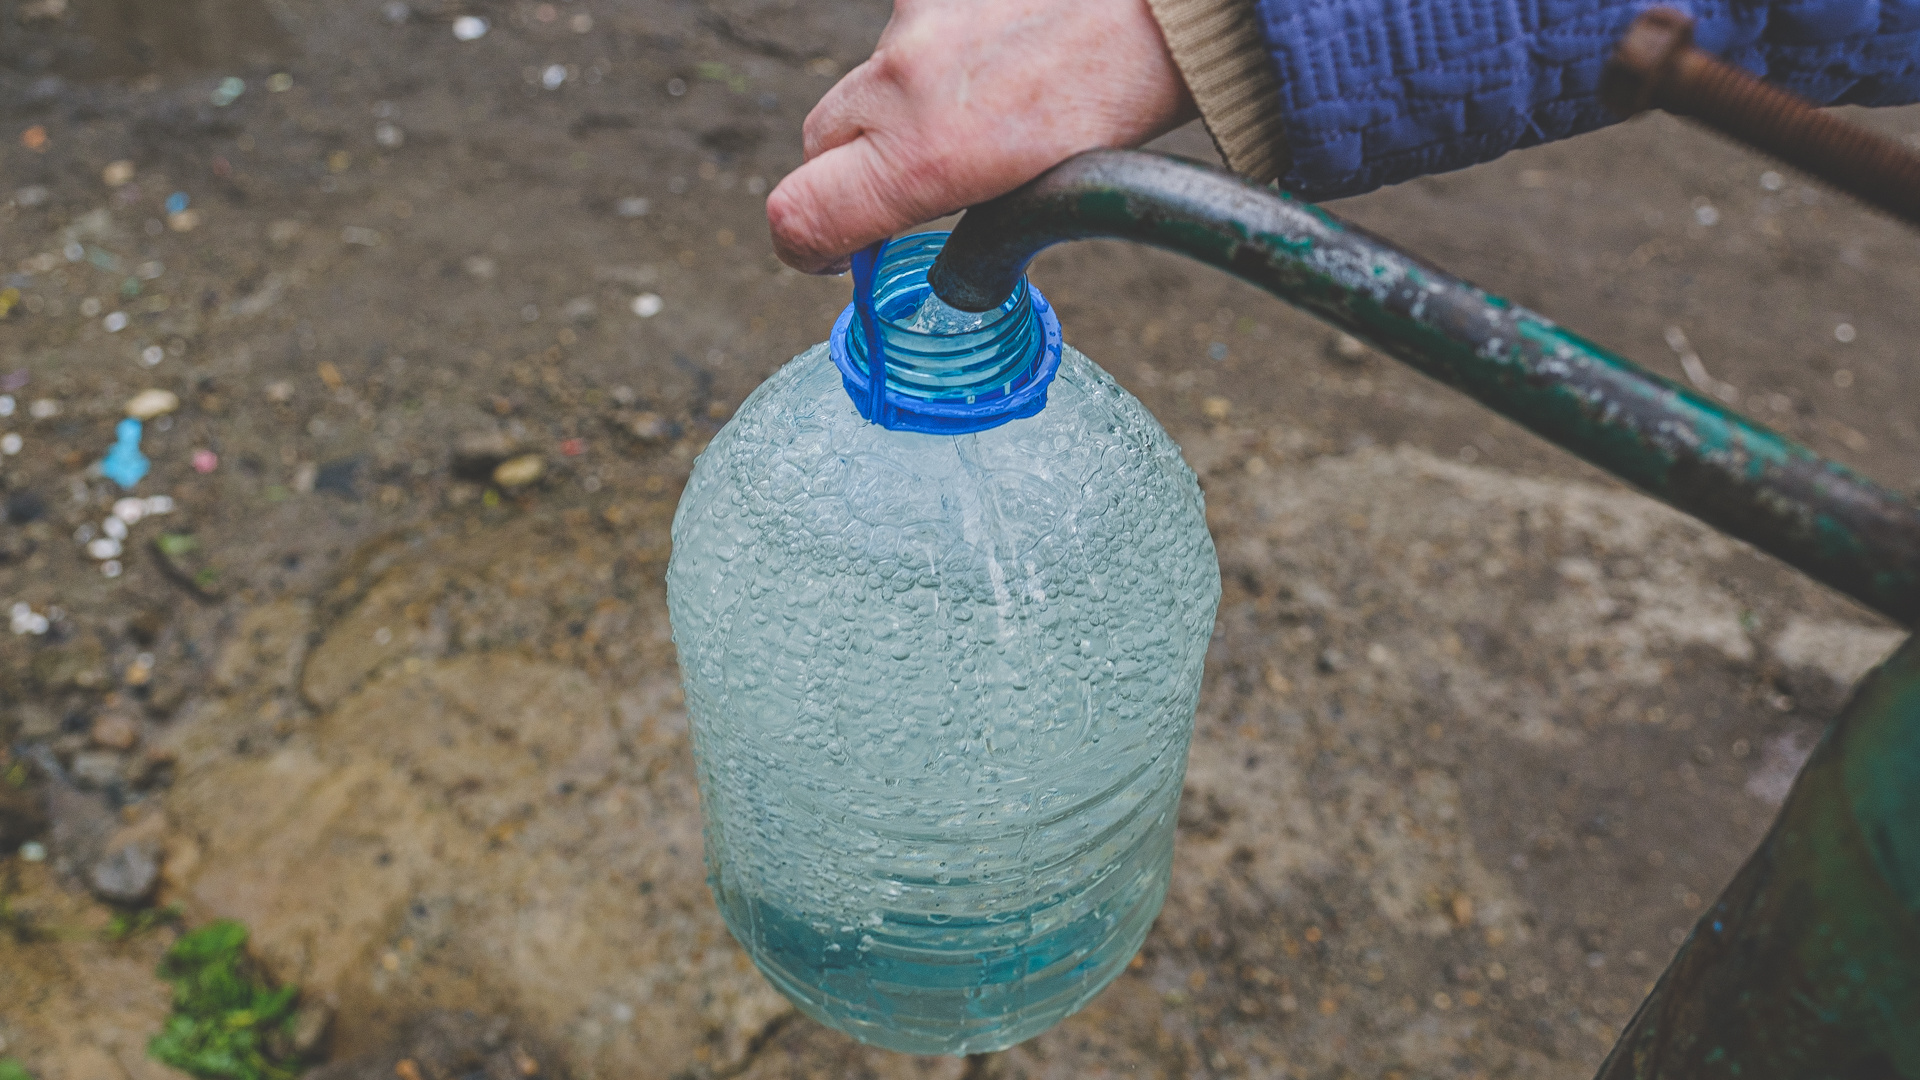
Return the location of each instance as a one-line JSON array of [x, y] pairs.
[[1481, 734]]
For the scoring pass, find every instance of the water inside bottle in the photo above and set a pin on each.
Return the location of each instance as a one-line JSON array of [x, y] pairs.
[[935, 316]]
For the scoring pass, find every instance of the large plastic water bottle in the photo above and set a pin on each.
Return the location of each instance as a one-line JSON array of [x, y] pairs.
[[941, 669]]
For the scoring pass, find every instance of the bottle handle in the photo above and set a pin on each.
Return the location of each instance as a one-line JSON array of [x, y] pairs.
[[866, 262]]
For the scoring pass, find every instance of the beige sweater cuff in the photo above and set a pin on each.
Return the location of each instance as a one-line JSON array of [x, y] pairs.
[[1219, 50]]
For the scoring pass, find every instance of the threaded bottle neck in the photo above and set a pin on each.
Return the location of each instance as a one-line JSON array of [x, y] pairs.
[[947, 371]]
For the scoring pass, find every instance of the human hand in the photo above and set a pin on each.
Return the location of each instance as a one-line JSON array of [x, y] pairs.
[[963, 101]]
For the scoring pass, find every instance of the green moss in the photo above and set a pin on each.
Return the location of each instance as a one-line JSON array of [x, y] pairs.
[[13, 1070], [225, 1012]]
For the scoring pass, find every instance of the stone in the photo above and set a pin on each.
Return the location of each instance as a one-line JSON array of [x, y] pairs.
[[114, 731], [79, 824], [311, 1023], [97, 768], [126, 875], [148, 404], [520, 471], [650, 427]]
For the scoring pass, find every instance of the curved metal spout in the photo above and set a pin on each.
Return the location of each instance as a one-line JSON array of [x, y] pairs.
[[1814, 514]]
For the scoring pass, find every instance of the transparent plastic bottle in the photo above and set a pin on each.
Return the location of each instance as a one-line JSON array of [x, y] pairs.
[[941, 672]]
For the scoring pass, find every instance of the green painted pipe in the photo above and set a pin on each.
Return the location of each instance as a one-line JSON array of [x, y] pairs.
[[1816, 515], [1808, 966]]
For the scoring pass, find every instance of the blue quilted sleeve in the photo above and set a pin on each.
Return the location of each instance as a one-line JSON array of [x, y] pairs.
[[1377, 91]]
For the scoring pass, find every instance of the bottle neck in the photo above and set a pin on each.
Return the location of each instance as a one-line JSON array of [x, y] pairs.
[[946, 371]]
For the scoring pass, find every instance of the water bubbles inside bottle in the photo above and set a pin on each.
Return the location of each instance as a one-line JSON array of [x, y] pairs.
[[935, 316]]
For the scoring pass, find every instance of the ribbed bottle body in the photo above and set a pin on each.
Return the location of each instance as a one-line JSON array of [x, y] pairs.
[[941, 689]]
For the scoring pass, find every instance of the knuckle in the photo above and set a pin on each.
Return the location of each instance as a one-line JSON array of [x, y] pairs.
[[896, 65]]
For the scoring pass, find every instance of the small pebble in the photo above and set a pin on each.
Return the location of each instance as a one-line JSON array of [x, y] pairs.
[[148, 404], [520, 471], [126, 876], [117, 174], [205, 461], [650, 427], [24, 620], [310, 1024], [114, 731], [469, 28], [97, 768], [227, 92]]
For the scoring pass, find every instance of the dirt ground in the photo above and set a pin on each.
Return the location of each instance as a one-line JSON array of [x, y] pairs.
[[1482, 732]]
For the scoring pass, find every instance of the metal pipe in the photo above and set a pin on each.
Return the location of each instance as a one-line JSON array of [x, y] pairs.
[[1657, 66], [1814, 514]]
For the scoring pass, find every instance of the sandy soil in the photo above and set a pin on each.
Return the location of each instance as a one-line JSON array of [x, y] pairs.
[[1482, 732]]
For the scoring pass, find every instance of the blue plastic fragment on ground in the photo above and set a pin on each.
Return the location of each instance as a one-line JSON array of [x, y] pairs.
[[177, 202], [124, 463]]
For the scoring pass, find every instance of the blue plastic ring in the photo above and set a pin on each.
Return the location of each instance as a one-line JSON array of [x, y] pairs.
[[952, 417]]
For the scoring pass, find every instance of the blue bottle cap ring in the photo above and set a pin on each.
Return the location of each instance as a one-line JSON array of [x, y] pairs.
[[949, 416]]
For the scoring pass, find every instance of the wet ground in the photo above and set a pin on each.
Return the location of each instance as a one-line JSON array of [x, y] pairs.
[[446, 322]]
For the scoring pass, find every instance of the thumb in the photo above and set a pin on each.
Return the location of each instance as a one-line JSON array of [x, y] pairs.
[[839, 202]]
